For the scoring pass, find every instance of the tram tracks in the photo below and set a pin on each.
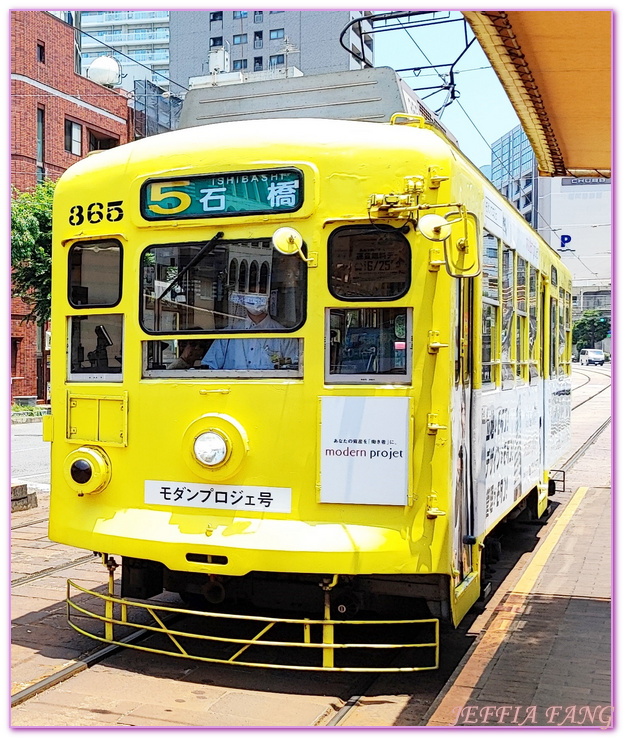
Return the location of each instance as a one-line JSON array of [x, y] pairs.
[[360, 689], [589, 380], [50, 571], [354, 701]]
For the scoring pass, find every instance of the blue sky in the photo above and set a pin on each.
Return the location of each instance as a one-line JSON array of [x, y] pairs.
[[482, 113], [480, 116]]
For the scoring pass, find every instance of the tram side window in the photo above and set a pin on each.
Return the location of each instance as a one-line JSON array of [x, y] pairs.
[[490, 307], [95, 348], [368, 345], [508, 317], [521, 365], [532, 323], [369, 263], [568, 335], [553, 336], [562, 334], [95, 274]]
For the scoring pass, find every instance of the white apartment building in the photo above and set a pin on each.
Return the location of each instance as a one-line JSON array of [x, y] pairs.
[[137, 39]]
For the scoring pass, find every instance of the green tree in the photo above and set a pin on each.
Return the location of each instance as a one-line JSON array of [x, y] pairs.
[[31, 248], [590, 329]]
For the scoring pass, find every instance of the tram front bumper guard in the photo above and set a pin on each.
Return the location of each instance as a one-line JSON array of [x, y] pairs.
[[156, 620]]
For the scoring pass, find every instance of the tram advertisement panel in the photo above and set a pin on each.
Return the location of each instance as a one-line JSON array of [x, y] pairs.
[[364, 450], [509, 434]]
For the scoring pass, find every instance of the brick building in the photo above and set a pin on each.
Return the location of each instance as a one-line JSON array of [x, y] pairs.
[[57, 117]]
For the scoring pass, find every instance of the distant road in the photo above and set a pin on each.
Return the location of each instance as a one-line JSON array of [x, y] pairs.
[[30, 455]]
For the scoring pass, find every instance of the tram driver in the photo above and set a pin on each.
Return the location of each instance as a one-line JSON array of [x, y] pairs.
[[253, 353]]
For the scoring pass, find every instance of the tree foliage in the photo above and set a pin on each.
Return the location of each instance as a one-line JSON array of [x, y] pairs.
[[31, 248], [592, 327]]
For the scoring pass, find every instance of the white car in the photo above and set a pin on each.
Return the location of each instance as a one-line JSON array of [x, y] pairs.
[[592, 356]]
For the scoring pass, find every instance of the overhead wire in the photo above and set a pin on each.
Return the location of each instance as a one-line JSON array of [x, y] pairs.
[[439, 113]]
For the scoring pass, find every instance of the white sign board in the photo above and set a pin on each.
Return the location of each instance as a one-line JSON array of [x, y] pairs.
[[364, 450], [215, 496]]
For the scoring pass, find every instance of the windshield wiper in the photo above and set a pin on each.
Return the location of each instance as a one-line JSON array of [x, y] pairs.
[[201, 253]]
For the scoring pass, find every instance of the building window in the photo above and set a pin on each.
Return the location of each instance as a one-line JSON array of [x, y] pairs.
[[40, 144], [101, 141], [277, 60], [240, 64], [216, 41], [41, 52], [258, 16], [15, 342], [240, 38], [276, 33], [258, 64], [240, 14], [73, 137], [258, 40], [217, 16]]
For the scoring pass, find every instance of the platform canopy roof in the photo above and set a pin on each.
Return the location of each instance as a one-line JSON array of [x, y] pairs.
[[556, 68]]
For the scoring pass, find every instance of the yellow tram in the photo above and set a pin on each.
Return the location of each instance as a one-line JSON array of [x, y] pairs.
[[307, 364]]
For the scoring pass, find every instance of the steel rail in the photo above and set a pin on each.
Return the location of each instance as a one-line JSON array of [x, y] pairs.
[[84, 662], [32, 522], [50, 571]]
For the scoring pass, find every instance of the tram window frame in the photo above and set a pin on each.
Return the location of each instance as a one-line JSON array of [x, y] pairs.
[[281, 265], [568, 331], [75, 288], [490, 303], [553, 335], [508, 318], [333, 266], [521, 358], [382, 317], [533, 323], [155, 352], [109, 329], [562, 334]]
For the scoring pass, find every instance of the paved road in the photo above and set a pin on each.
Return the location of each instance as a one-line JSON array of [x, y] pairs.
[[30, 455]]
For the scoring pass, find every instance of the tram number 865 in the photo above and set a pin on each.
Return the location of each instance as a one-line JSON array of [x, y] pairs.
[[95, 212]]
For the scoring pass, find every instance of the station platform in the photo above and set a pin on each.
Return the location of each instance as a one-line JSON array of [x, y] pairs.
[[543, 656]]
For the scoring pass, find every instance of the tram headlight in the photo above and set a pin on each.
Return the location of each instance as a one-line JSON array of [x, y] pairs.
[[211, 448]]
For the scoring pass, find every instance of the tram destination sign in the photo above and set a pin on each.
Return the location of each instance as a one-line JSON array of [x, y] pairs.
[[226, 194]]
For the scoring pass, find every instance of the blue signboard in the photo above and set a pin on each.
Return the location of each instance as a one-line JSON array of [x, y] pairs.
[[227, 194]]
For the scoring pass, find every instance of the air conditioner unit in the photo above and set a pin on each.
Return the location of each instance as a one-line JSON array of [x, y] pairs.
[[218, 60]]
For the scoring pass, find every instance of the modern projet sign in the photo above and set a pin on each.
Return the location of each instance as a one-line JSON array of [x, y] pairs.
[[364, 450]]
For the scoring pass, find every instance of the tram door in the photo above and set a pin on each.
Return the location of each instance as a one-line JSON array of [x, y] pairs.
[[462, 433]]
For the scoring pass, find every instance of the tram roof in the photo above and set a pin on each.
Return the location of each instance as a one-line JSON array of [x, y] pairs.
[[555, 67]]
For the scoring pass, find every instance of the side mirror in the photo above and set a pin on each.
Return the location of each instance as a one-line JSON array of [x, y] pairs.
[[288, 241], [459, 232]]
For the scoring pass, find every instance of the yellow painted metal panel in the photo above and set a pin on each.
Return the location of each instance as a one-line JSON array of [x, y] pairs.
[[97, 419], [112, 427], [82, 418]]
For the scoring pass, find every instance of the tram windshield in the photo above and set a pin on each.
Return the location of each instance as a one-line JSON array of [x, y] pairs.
[[224, 288]]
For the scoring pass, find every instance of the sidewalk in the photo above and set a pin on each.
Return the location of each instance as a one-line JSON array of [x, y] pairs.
[[544, 658]]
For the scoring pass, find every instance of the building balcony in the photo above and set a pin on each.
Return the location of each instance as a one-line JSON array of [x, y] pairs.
[[125, 39], [123, 16]]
